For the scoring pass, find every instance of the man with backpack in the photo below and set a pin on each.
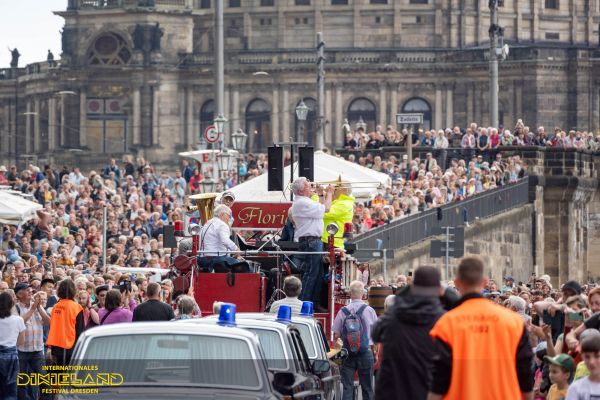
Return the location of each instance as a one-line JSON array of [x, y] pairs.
[[353, 325]]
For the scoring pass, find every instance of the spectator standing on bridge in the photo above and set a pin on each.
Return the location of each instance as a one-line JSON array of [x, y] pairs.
[[481, 349], [404, 333], [308, 216]]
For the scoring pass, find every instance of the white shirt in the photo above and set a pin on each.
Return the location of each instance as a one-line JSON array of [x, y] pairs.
[[10, 327], [308, 216], [293, 302], [584, 389], [214, 236]]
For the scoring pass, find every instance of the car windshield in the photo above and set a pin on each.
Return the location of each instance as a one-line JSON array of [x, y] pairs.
[[307, 340], [175, 359], [272, 345]]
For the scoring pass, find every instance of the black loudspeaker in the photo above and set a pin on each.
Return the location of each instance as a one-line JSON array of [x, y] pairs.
[[169, 241], [275, 172], [306, 162]]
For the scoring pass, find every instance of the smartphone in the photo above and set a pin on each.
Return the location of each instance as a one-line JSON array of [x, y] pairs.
[[27, 270], [575, 316], [409, 273]]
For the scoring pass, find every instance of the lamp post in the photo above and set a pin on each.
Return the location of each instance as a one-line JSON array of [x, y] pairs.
[[208, 185], [238, 141], [220, 122], [301, 114]]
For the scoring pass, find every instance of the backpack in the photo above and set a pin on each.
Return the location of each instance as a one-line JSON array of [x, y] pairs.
[[354, 332]]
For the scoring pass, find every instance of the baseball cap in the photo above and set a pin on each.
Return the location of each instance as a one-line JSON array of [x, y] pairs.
[[229, 194], [21, 286], [562, 360], [572, 285]]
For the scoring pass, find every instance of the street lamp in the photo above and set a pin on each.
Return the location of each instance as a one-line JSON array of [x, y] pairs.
[[301, 114], [226, 158], [238, 140], [208, 185], [220, 122]]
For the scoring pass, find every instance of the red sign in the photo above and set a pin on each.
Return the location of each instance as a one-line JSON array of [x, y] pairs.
[[254, 215], [211, 134]]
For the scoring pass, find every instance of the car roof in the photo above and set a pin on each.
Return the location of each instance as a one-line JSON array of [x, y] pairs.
[[164, 327], [296, 319], [244, 322]]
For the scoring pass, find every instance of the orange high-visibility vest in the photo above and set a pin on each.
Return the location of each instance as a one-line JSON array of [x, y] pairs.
[[62, 324], [484, 338]]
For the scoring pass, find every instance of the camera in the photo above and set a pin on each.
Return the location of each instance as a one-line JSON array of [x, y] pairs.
[[125, 286]]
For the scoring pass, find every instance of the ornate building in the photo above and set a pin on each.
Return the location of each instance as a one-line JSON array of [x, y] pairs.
[[135, 76]]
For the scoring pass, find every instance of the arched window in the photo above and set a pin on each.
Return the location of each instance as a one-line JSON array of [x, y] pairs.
[[109, 49], [362, 109], [420, 106], [310, 125], [258, 125], [207, 117]]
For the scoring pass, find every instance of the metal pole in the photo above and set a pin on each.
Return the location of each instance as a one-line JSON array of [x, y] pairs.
[[408, 143], [385, 264], [493, 63], [320, 91], [219, 58], [292, 149], [104, 217], [447, 251]]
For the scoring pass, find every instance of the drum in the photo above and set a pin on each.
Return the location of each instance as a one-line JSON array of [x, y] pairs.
[[377, 296]]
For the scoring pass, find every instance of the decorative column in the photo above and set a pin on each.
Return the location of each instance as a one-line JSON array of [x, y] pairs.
[[52, 123], [235, 109], [6, 130], [470, 111], [438, 109], [393, 103], [155, 119], [83, 118], [382, 105], [329, 136], [137, 116], [28, 128], [449, 107], [63, 138], [36, 126], [275, 131], [339, 114], [190, 139], [286, 113]]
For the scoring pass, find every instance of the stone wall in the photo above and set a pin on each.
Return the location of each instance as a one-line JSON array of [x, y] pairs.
[[504, 242]]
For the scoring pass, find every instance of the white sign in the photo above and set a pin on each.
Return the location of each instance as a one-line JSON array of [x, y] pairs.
[[409, 118], [211, 135]]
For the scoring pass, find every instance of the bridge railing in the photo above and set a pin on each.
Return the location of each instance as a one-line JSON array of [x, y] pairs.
[[537, 159], [418, 227]]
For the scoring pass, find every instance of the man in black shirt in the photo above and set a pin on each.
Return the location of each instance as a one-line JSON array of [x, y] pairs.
[[153, 309]]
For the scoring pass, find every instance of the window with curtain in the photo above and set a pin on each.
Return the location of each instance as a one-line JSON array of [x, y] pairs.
[[175, 359], [272, 344]]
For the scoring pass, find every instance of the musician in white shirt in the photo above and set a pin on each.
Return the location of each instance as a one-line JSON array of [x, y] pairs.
[[308, 216], [215, 242]]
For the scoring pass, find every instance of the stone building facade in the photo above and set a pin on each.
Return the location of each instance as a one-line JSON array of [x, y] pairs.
[[136, 76]]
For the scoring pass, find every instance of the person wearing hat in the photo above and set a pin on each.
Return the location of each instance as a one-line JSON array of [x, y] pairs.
[[562, 369], [403, 331], [228, 198], [3, 178], [31, 351], [553, 313]]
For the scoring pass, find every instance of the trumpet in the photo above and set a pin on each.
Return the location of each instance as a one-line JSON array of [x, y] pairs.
[[350, 185]]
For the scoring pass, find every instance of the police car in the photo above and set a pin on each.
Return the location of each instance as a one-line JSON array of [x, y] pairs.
[[169, 360], [295, 374], [315, 342]]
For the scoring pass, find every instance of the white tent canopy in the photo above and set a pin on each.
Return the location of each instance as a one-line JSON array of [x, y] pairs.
[[365, 182], [15, 210]]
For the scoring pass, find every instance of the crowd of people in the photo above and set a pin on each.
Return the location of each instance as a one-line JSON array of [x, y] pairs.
[[472, 137]]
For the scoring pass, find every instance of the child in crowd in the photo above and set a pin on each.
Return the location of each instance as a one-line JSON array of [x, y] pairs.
[[562, 369], [588, 388]]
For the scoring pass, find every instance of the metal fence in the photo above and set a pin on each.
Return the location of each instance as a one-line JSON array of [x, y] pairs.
[[413, 229]]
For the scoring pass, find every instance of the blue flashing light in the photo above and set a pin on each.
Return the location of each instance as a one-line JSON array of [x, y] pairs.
[[284, 314], [227, 315], [307, 309]]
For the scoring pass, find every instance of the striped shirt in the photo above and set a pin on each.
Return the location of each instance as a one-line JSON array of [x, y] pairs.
[[293, 302], [34, 330]]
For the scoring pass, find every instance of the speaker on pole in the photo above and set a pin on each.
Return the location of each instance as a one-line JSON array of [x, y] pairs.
[[275, 169], [306, 162]]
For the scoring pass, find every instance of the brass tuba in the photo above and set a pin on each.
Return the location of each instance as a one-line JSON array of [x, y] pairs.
[[205, 204]]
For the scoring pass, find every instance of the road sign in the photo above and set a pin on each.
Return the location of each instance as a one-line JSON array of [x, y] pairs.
[[414, 118], [211, 134]]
